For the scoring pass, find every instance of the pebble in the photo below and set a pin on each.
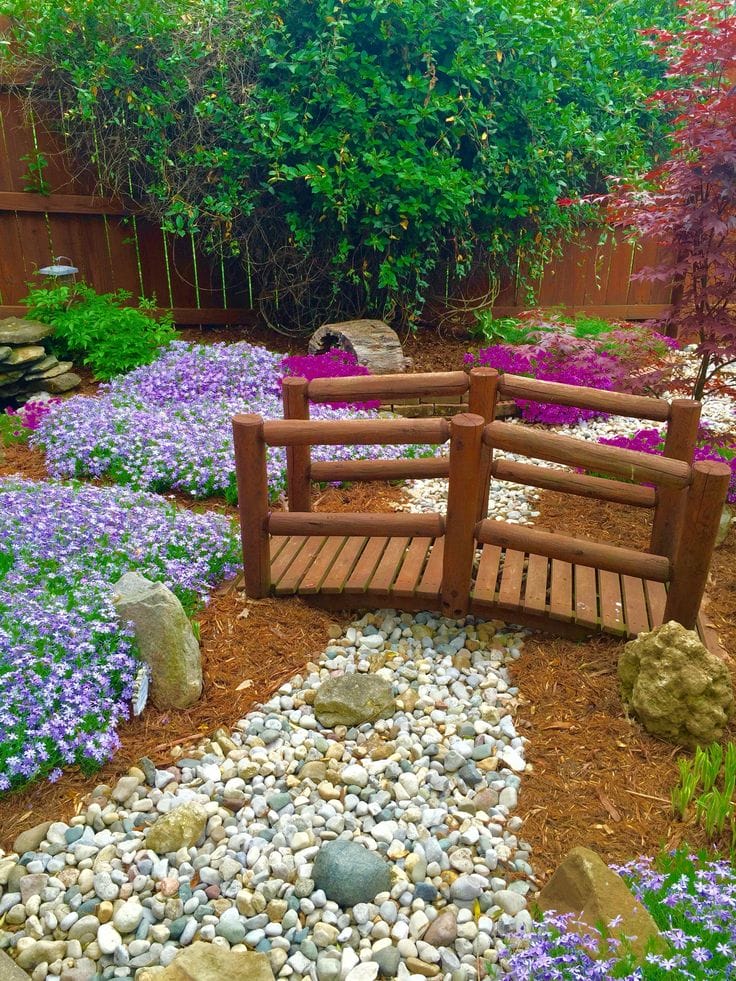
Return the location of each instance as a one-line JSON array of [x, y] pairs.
[[229, 845]]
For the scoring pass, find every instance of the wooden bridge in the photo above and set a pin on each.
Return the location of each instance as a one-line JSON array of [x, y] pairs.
[[461, 562]]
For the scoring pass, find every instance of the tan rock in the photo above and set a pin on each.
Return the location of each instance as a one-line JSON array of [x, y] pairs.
[[25, 355], [585, 886], [675, 687], [180, 828], [208, 962]]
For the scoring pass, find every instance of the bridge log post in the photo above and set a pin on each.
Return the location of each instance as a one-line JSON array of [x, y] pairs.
[[702, 514], [252, 481], [682, 435], [466, 432], [295, 395], [482, 402]]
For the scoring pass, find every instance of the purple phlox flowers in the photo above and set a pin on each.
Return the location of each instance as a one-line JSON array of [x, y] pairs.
[[168, 425], [66, 664]]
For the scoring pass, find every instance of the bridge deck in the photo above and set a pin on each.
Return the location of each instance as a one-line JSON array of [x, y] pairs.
[[343, 572]]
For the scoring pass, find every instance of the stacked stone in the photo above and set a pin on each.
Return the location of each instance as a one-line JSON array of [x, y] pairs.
[[26, 366]]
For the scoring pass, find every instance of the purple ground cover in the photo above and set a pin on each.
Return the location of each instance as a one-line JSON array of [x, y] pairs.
[[693, 902], [168, 425], [66, 666]]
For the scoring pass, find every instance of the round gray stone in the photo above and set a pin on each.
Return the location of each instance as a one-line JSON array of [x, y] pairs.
[[350, 873]]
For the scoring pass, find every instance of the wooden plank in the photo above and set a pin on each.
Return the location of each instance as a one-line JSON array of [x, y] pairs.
[[366, 565], [343, 565], [321, 565], [296, 570], [286, 556], [609, 311], [612, 612], [60, 204], [278, 542], [656, 593], [429, 587], [586, 596], [535, 594], [560, 591], [509, 592], [385, 573], [184, 316], [411, 570], [485, 580], [635, 605]]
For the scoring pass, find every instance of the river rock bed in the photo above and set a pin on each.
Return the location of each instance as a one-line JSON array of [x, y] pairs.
[[342, 850]]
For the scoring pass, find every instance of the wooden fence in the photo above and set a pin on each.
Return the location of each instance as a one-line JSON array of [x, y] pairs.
[[115, 249], [112, 248]]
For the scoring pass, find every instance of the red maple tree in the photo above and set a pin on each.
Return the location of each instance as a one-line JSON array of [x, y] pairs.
[[689, 201]]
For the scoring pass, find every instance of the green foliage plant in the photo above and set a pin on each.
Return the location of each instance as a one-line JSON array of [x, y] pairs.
[[109, 337], [34, 179], [527, 327], [351, 154], [707, 781]]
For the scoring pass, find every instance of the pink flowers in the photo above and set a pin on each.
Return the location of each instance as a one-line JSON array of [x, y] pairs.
[[333, 364]]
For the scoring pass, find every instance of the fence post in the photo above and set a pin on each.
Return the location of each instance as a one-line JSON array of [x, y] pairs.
[[482, 402], [682, 434], [706, 496], [295, 394], [466, 433], [252, 480]]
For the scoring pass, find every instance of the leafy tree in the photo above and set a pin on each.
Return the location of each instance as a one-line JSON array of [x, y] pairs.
[[347, 151], [688, 203]]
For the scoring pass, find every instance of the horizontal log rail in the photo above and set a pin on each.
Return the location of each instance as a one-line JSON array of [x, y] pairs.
[[582, 485], [368, 525], [555, 393], [388, 387], [355, 470], [355, 432], [631, 464], [611, 558]]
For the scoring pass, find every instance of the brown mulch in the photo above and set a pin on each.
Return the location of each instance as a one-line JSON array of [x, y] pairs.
[[598, 779]]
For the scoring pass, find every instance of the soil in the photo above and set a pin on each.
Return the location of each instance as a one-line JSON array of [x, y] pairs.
[[598, 779]]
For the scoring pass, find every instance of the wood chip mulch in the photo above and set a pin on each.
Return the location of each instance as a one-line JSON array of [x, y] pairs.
[[598, 779]]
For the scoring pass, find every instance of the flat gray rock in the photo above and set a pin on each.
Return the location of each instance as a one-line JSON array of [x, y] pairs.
[[14, 330]]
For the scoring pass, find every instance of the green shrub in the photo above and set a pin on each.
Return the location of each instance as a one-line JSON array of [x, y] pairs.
[[527, 328], [350, 153], [96, 327]]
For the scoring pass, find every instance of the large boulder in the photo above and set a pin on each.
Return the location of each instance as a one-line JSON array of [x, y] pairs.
[[675, 687], [180, 828], [350, 873], [373, 343], [353, 699], [165, 639], [210, 962], [596, 896]]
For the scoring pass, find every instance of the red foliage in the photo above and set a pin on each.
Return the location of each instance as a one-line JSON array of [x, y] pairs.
[[690, 203]]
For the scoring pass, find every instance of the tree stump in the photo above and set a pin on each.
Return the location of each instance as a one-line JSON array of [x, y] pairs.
[[373, 343]]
